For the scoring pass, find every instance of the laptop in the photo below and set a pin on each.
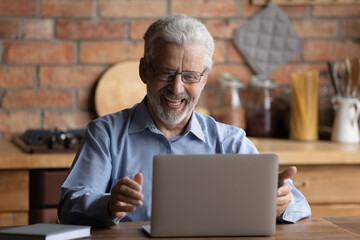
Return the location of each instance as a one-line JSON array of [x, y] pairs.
[[214, 195]]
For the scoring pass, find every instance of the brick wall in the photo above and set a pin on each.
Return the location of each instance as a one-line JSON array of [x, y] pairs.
[[53, 52]]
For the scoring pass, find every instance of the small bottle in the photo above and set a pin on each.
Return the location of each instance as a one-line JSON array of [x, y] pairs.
[[230, 108]]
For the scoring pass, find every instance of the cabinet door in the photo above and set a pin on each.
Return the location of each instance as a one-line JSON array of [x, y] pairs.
[[9, 219], [335, 210], [14, 191], [332, 190], [14, 197]]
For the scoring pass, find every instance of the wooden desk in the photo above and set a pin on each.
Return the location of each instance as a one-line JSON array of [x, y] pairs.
[[328, 175], [307, 229]]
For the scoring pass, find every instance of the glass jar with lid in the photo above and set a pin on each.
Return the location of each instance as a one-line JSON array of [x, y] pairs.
[[230, 108], [260, 117]]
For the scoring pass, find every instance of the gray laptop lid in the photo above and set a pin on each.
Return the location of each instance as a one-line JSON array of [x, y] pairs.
[[214, 195]]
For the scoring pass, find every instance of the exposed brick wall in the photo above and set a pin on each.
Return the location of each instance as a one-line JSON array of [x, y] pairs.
[[53, 52]]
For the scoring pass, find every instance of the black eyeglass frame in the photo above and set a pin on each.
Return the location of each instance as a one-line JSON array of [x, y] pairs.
[[174, 73]]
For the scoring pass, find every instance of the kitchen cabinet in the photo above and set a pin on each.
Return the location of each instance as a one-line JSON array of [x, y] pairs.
[[14, 195], [328, 175], [15, 169]]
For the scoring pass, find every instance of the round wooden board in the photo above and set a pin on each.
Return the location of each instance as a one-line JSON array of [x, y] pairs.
[[120, 87]]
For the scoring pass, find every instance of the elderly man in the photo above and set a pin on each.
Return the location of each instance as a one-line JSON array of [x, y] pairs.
[[110, 180]]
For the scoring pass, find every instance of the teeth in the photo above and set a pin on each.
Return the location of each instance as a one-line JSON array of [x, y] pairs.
[[173, 102]]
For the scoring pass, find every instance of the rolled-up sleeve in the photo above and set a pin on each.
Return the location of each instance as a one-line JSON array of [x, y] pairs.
[[297, 209], [85, 192]]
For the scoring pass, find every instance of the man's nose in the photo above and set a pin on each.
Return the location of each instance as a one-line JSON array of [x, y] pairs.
[[177, 85]]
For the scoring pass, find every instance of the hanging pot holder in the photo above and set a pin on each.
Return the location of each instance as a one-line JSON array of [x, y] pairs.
[[268, 40]]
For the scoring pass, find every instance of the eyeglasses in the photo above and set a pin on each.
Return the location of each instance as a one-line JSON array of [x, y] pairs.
[[168, 75]]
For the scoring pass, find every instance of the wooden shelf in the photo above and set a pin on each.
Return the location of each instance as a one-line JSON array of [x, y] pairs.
[[304, 2]]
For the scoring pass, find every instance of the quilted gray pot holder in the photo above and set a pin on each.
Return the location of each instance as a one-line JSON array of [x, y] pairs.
[[268, 40]]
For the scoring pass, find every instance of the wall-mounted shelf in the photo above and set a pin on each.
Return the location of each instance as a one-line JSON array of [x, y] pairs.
[[304, 2]]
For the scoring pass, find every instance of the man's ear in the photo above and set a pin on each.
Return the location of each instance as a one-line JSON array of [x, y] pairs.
[[142, 70], [204, 81]]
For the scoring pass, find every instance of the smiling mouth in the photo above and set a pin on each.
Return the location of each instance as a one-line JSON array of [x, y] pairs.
[[173, 103]]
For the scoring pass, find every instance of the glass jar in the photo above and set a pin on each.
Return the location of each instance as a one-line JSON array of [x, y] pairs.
[[327, 107], [281, 111], [259, 108], [230, 108]]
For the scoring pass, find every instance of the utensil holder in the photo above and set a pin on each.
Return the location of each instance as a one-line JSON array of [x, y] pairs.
[[346, 126]]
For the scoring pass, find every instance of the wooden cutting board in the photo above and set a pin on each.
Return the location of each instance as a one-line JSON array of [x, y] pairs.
[[120, 87]]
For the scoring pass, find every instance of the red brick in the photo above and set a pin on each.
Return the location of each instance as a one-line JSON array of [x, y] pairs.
[[86, 99], [234, 55], [66, 120], [37, 99], [314, 28], [294, 11], [39, 52], [19, 121], [38, 29], [70, 76], [282, 75], [319, 50], [220, 52], [240, 71], [110, 52], [134, 8], [90, 30], [249, 10], [16, 76], [336, 10], [9, 29], [294, 60], [223, 28], [351, 28], [17, 8], [67, 8], [205, 8], [138, 29]]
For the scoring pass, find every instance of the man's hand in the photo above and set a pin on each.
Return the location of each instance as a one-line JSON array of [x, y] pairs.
[[126, 196], [284, 195]]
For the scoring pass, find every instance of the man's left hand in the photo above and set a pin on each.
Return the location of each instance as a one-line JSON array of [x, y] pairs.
[[284, 194]]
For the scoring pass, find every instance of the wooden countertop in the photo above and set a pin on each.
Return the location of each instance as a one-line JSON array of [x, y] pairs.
[[305, 153], [290, 153], [12, 157]]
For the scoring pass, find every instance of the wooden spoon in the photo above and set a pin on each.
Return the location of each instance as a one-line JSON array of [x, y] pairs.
[[355, 76], [348, 77]]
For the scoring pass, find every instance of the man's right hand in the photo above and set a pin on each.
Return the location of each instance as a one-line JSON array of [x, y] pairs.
[[126, 196]]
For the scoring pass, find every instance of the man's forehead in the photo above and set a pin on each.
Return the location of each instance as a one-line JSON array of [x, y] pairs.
[[193, 53]]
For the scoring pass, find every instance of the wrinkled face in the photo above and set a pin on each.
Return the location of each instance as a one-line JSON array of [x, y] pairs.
[[172, 102]]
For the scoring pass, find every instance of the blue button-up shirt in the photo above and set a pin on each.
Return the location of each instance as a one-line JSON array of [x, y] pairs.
[[124, 144]]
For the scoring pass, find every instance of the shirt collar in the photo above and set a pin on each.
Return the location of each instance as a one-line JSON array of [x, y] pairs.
[[195, 128], [142, 120]]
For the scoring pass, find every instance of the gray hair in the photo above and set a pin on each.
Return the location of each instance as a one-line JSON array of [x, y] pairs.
[[179, 29]]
